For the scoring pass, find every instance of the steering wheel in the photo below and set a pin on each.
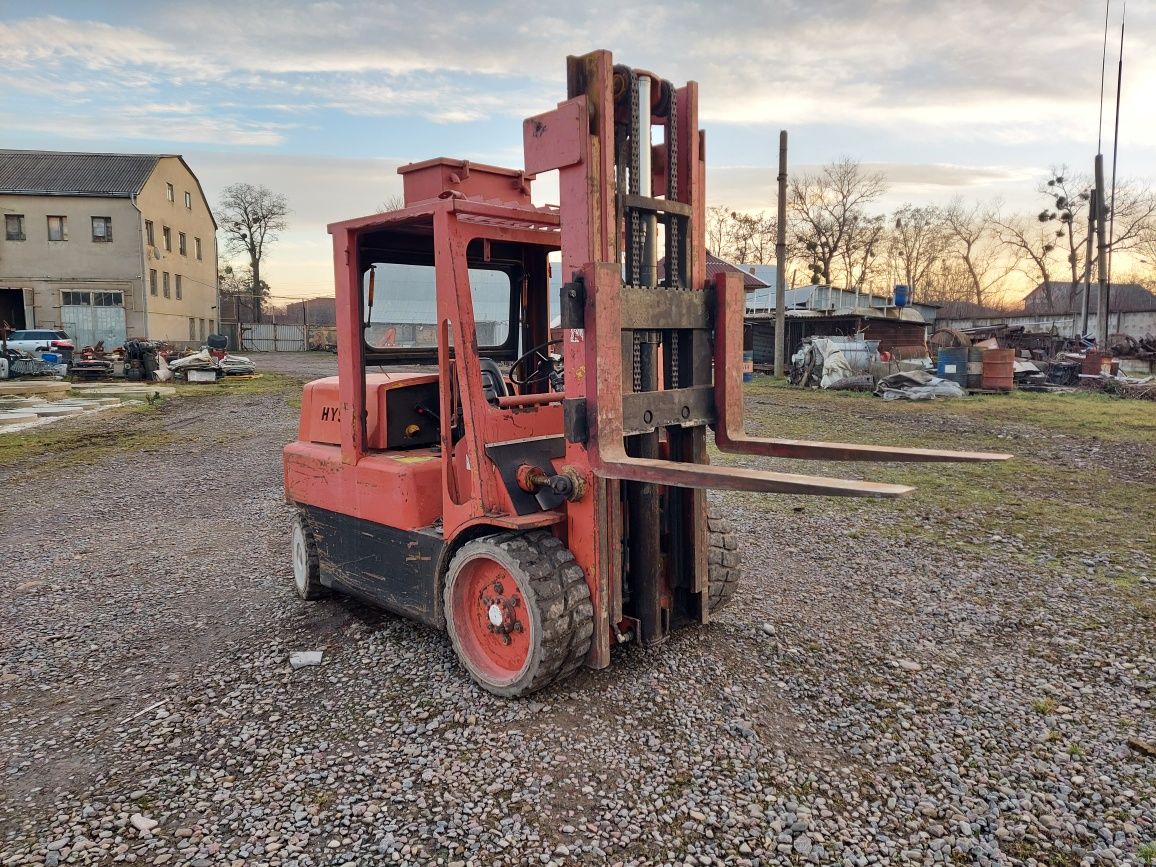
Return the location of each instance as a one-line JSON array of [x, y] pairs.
[[538, 354]]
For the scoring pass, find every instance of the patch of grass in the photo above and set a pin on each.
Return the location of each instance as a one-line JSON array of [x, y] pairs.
[[1076, 751], [1147, 853], [65, 444], [266, 383], [1044, 706], [1039, 507], [1088, 414]]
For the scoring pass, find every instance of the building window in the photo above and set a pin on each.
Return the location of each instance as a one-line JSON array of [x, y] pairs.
[[102, 229], [58, 228], [92, 299], [14, 230], [167, 234], [149, 239], [152, 281], [212, 326], [182, 244], [170, 193], [197, 247], [201, 330], [192, 328], [165, 284], [177, 280], [189, 200]]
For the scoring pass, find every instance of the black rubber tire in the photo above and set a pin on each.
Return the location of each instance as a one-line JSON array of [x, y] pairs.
[[306, 566], [725, 565], [549, 580]]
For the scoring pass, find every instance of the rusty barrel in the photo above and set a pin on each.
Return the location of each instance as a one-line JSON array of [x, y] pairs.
[[974, 367], [999, 369]]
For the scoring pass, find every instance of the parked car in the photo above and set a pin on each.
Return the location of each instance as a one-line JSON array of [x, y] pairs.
[[34, 340]]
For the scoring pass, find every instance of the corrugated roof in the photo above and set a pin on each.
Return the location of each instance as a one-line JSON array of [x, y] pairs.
[[717, 265], [79, 174]]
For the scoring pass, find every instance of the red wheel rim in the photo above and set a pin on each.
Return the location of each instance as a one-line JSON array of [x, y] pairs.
[[491, 620]]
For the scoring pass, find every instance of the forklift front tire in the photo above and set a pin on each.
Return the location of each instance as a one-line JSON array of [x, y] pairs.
[[724, 567], [306, 567], [518, 611]]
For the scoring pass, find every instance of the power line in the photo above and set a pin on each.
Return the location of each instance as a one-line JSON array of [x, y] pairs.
[[1116, 139], [1103, 72]]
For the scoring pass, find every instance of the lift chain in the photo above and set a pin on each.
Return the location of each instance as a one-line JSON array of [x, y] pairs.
[[673, 223], [636, 240]]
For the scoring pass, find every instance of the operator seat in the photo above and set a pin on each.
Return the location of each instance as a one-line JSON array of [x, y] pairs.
[[493, 383]]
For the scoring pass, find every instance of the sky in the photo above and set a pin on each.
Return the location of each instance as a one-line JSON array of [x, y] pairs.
[[322, 101]]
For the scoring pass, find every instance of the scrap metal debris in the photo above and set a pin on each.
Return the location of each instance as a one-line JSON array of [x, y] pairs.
[[916, 385]]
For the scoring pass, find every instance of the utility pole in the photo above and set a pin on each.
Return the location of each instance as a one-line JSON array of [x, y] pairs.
[[305, 323], [1102, 263], [781, 260], [1088, 265]]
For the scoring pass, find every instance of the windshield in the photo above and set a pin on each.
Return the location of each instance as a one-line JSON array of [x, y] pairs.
[[404, 306]]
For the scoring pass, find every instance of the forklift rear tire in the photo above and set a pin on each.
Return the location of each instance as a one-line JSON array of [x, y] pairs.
[[518, 611], [306, 567], [724, 566]]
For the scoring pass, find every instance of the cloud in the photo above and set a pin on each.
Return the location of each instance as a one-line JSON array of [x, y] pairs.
[[933, 68], [143, 124], [753, 188]]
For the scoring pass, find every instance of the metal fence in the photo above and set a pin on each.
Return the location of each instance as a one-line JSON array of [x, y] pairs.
[[278, 324]]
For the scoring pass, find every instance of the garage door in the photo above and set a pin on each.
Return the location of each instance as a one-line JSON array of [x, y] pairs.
[[90, 317]]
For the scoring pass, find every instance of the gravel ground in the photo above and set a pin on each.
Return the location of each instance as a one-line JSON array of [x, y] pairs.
[[864, 701]]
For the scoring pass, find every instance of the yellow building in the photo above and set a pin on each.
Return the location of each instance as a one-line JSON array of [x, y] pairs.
[[107, 247]]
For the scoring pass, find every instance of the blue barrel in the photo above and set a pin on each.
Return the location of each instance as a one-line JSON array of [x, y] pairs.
[[901, 295], [748, 365], [951, 363]]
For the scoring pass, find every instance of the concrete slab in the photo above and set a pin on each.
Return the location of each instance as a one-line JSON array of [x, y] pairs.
[[135, 391], [19, 402], [26, 387], [13, 417], [57, 409]]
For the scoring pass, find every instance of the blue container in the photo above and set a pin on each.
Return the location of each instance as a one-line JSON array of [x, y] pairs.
[[902, 293], [50, 357], [748, 365], [951, 363]]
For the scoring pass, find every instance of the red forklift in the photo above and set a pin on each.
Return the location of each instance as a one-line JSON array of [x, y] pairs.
[[541, 498]]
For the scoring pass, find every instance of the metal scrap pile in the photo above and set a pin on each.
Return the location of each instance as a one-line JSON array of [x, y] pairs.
[[20, 363], [834, 362], [209, 366], [1124, 346]]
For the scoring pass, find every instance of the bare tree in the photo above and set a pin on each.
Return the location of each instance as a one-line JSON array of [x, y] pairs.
[[394, 202], [972, 240], [865, 243], [718, 228], [1033, 242], [251, 216], [826, 208], [753, 238], [1069, 196], [918, 243], [744, 238]]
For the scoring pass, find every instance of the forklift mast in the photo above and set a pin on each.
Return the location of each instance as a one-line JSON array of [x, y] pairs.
[[653, 350]]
